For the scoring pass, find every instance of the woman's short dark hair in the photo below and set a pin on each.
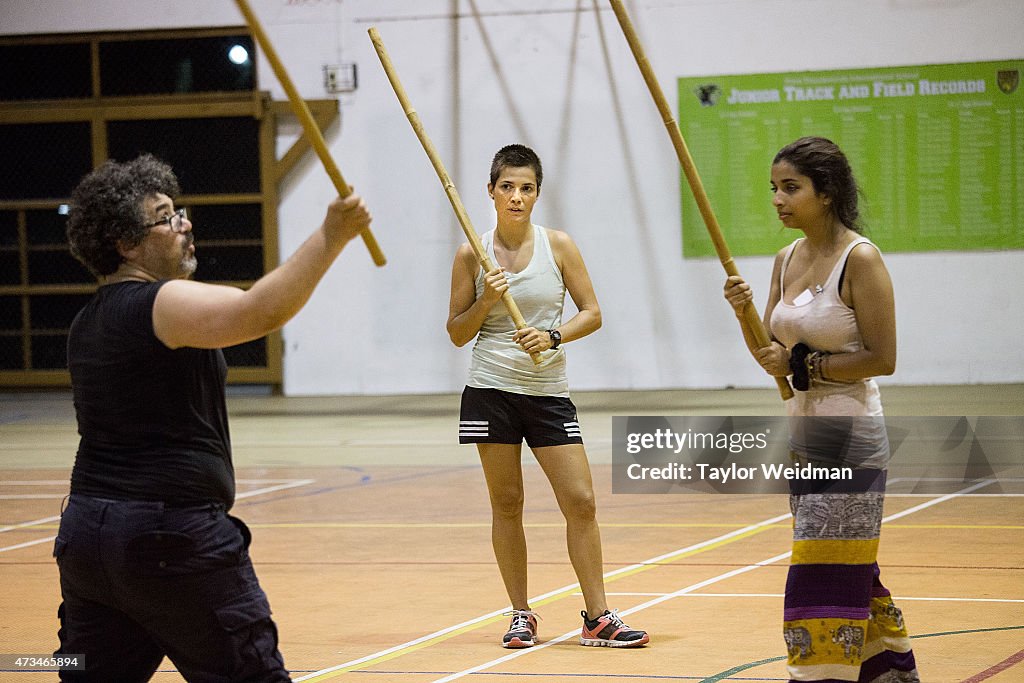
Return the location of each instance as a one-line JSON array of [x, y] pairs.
[[107, 209], [824, 163], [516, 156]]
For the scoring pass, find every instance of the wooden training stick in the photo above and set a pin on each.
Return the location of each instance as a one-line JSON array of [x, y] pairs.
[[750, 315], [442, 174], [312, 131]]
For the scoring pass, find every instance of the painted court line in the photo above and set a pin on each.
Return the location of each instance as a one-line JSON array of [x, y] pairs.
[[613, 525], [289, 484], [527, 525], [23, 525], [452, 631], [941, 499], [696, 586], [35, 522], [903, 598], [728, 674], [731, 673], [946, 479], [27, 544], [1012, 660], [281, 484], [973, 495], [642, 606]]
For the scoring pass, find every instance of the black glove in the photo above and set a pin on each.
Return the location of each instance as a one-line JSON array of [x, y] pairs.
[[798, 364]]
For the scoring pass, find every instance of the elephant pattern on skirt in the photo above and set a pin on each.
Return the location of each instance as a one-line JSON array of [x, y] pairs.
[[851, 637], [799, 638], [892, 613]]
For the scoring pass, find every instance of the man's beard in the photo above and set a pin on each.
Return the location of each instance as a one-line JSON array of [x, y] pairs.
[[189, 263]]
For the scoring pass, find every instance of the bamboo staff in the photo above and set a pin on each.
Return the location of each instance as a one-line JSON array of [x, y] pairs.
[[442, 174], [312, 130], [750, 315]]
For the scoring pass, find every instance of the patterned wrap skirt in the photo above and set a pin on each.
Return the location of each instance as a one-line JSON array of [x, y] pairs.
[[840, 622]]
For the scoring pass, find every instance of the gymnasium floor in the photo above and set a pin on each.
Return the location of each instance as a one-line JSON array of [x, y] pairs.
[[372, 539]]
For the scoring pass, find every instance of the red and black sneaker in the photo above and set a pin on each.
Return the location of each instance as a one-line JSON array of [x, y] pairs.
[[522, 632], [609, 631]]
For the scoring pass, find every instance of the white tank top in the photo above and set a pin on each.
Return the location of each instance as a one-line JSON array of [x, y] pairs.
[[539, 292], [825, 323]]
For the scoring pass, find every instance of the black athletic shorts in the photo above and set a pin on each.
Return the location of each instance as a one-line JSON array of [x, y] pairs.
[[495, 416]]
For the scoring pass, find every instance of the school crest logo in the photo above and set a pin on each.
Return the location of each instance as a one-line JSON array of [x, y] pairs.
[[708, 94], [1008, 80]]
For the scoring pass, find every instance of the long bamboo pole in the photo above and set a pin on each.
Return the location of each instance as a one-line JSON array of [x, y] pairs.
[[446, 181], [309, 126], [750, 315]]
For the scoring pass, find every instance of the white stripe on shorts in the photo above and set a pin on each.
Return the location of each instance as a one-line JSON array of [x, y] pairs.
[[474, 428], [572, 429]]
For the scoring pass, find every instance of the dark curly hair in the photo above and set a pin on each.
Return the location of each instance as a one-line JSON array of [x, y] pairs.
[[516, 156], [107, 209], [824, 163]]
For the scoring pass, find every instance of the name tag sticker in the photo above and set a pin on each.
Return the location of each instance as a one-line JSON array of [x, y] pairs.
[[805, 297]]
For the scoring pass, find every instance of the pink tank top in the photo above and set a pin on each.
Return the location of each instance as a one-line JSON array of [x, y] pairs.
[[825, 323]]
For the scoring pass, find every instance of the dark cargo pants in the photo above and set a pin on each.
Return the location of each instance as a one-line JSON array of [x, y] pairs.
[[141, 580]]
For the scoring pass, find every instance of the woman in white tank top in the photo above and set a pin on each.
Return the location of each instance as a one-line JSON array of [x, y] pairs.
[[508, 398], [831, 298]]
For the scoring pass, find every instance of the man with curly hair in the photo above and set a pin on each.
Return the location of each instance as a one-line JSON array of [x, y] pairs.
[[151, 563]]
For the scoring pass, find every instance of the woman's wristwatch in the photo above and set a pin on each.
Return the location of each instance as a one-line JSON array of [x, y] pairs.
[[556, 338]]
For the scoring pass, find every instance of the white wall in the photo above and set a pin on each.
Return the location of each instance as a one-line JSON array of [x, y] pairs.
[[558, 76]]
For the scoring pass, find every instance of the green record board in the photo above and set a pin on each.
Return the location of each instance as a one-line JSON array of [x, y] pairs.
[[938, 151]]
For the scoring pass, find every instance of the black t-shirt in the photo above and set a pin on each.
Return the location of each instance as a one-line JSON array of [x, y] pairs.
[[153, 420]]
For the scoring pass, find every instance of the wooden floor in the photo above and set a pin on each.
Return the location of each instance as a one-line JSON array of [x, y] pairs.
[[372, 539]]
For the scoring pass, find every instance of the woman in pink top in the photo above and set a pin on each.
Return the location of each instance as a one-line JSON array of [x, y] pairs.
[[831, 317]]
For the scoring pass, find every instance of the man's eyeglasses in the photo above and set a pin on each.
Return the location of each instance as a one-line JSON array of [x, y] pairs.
[[176, 221]]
